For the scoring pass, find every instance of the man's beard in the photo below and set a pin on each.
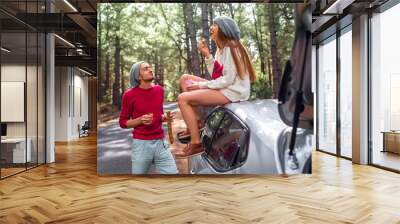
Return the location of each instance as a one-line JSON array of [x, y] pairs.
[[149, 79]]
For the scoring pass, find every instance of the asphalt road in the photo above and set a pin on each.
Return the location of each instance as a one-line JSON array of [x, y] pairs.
[[114, 146]]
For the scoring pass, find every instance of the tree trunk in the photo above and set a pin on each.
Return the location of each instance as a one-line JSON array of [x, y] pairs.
[[263, 66], [161, 72], [188, 62], [195, 62], [116, 96], [123, 87], [157, 70], [259, 42], [100, 94], [205, 23], [206, 35], [269, 72], [230, 6], [213, 46], [276, 70], [107, 81]]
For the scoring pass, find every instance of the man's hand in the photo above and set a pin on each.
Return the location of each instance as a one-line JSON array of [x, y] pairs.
[[165, 117], [146, 119], [142, 120]]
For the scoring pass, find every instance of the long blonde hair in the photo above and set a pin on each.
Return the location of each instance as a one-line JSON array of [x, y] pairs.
[[240, 55]]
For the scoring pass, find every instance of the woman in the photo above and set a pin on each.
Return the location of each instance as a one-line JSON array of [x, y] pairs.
[[232, 86]]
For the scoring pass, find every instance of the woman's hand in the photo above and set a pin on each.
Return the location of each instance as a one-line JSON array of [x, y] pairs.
[[203, 48], [193, 87]]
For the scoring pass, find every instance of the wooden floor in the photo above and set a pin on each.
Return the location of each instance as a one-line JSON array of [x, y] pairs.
[[70, 191], [10, 171]]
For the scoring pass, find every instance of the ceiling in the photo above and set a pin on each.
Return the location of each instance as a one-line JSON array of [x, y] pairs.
[[330, 15], [74, 22]]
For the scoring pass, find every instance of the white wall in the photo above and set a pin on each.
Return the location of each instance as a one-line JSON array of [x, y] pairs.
[[61, 103], [70, 83], [12, 73], [81, 94]]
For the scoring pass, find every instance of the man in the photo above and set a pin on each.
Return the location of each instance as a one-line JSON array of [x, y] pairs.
[[142, 109]]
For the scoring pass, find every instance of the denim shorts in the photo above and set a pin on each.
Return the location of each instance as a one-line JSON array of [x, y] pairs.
[[152, 152]]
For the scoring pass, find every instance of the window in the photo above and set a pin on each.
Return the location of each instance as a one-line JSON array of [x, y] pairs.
[[385, 88], [22, 67], [334, 108], [346, 93], [227, 149], [327, 95]]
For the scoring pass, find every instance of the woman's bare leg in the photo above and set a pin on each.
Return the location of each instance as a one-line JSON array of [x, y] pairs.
[[185, 77], [183, 85], [203, 97]]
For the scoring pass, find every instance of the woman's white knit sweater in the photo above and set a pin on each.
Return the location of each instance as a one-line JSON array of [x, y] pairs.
[[230, 84]]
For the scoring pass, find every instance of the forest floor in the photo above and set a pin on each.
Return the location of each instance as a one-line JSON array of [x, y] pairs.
[[107, 112]]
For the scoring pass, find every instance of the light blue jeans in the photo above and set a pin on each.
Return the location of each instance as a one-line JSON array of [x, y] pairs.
[[148, 152]]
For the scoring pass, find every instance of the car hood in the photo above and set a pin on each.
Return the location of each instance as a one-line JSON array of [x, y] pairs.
[[259, 113]]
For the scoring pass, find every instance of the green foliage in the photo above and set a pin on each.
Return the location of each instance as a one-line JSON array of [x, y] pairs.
[[260, 89], [156, 33], [170, 87]]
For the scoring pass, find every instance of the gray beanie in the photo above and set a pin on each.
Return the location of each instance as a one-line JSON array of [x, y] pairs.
[[228, 26], [134, 74]]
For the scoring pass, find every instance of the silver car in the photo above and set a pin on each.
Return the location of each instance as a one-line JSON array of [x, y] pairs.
[[250, 138]]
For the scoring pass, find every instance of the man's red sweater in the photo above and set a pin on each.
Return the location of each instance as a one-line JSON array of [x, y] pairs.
[[137, 102]]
